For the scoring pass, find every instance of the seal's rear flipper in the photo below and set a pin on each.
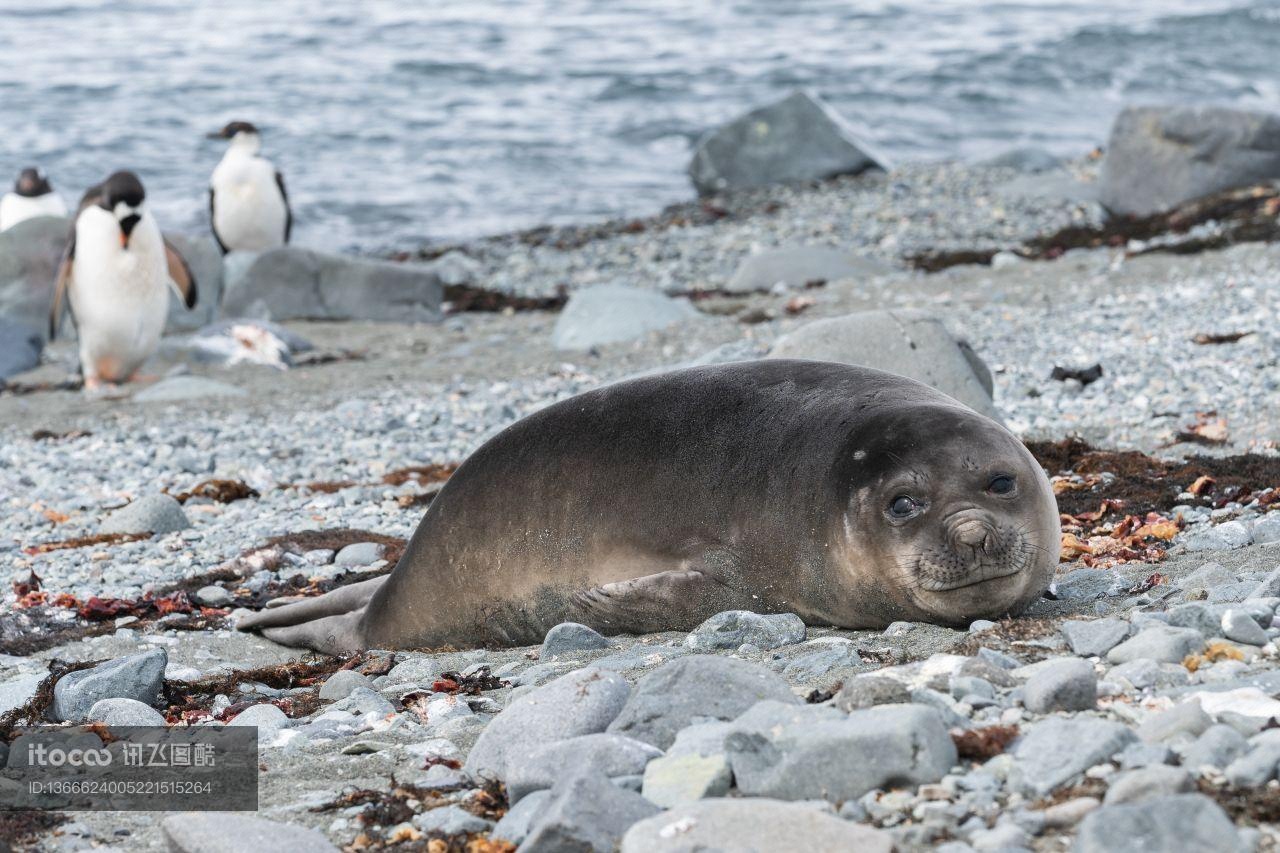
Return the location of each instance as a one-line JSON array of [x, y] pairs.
[[329, 623], [667, 601]]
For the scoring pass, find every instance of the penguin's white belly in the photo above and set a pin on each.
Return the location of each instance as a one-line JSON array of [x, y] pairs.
[[249, 213], [16, 208], [120, 304]]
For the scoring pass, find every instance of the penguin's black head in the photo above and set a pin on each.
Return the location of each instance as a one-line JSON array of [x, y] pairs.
[[122, 195], [32, 183], [233, 128]]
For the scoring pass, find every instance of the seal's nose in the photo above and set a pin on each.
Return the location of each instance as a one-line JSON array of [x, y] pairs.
[[972, 533]]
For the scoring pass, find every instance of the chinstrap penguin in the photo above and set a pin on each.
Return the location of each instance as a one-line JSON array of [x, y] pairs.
[[116, 273], [32, 196], [248, 205]]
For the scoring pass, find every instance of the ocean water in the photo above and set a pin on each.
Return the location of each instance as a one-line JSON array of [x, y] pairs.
[[397, 124]]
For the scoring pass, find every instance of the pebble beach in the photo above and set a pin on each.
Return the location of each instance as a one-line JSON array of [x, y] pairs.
[[1133, 708]]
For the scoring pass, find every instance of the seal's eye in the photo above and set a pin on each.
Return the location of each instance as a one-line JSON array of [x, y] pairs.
[[902, 507], [1001, 485]]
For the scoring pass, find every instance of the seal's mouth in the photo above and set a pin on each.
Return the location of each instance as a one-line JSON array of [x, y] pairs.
[[974, 552]]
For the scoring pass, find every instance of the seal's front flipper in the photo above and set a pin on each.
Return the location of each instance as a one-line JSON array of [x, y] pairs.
[[329, 623], [668, 601]]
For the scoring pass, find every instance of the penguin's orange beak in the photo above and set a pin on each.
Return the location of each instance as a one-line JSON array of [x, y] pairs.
[[127, 225]]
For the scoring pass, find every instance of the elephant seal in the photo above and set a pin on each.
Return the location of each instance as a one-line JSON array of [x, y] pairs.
[[849, 496]]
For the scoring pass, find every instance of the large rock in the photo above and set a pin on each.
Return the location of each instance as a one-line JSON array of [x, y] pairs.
[[610, 755], [1057, 749], [582, 702], [1160, 643], [798, 138], [222, 832], [124, 712], [205, 259], [20, 347], [156, 514], [298, 284], [1189, 823], [611, 314], [667, 699], [586, 813], [732, 628], [797, 266], [809, 758], [914, 344], [751, 826], [1066, 684], [1160, 157], [139, 677], [30, 253]]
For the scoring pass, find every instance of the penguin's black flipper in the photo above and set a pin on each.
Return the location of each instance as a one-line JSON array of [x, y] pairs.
[[213, 226], [288, 211]]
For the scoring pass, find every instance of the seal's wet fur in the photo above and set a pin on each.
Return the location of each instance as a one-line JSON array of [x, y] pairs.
[[653, 503]]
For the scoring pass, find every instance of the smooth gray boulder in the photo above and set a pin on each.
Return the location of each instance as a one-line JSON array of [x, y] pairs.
[[586, 813], [669, 698], [1160, 643], [611, 314], [1184, 719], [914, 344], [205, 260], [581, 702], [291, 283], [1147, 783], [1096, 637], [1238, 625], [867, 691], [798, 138], [360, 554], [1068, 684], [1159, 157], [139, 677], [265, 717], [30, 253], [842, 759], [609, 754], [124, 712], [341, 683], [732, 628], [1055, 750], [798, 266], [1188, 823], [20, 347], [226, 832], [569, 637], [753, 825], [156, 514]]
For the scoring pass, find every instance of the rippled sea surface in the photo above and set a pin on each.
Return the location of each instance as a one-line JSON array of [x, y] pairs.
[[399, 123]]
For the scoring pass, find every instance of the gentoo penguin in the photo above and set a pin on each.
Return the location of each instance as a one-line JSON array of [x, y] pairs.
[[31, 197], [248, 206], [116, 272]]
